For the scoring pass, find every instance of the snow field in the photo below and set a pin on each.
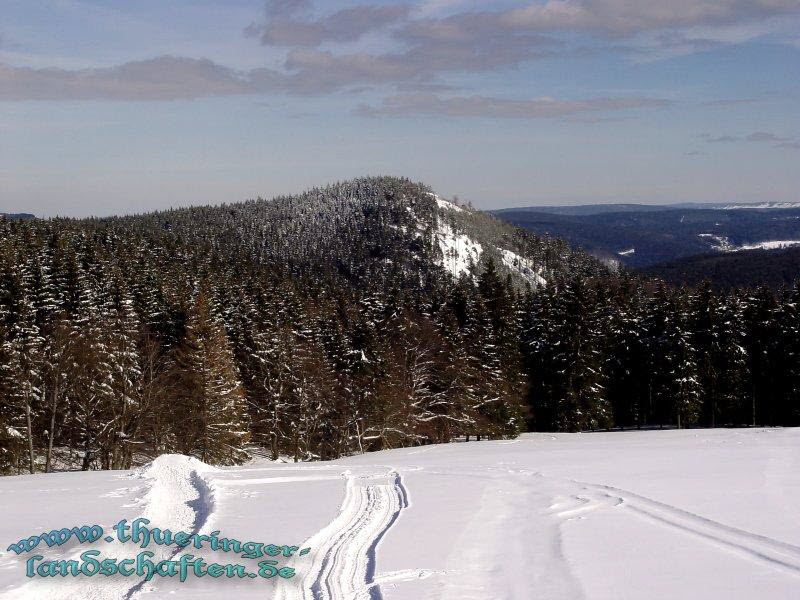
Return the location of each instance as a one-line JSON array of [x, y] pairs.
[[690, 514]]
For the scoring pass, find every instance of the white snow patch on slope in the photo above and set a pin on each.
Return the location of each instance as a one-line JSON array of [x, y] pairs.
[[769, 245], [762, 205], [522, 266], [718, 242], [723, 244], [627, 252], [459, 252], [446, 204]]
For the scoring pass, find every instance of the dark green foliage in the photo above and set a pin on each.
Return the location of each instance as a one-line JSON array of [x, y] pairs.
[[325, 324], [665, 234], [746, 268], [310, 326], [637, 354]]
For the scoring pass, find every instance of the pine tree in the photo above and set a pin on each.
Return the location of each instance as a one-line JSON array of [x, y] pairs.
[[568, 350], [451, 380], [722, 364], [58, 376], [91, 394], [12, 441], [124, 330], [762, 333], [785, 409], [21, 371], [682, 385], [211, 420], [628, 363]]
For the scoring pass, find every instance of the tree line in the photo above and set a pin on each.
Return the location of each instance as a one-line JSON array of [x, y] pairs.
[[628, 352], [105, 359], [319, 326]]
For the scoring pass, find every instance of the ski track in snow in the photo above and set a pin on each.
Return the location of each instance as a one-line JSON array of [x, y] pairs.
[[343, 554], [753, 546], [342, 564], [552, 501], [178, 497], [586, 497], [487, 564]]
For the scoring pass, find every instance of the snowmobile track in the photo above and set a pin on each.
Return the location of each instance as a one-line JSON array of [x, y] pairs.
[[343, 554]]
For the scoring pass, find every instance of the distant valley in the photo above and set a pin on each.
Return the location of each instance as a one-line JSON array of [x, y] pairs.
[[660, 238]]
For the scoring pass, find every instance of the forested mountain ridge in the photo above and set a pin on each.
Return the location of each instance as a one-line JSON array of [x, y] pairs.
[[339, 320], [774, 268], [360, 230], [640, 237], [369, 314], [17, 216]]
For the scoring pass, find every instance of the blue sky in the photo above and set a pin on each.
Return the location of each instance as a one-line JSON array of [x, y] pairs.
[[118, 107]]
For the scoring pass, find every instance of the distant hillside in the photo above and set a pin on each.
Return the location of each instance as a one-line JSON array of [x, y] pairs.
[[17, 216], [647, 236], [597, 209], [585, 209], [748, 268], [365, 315]]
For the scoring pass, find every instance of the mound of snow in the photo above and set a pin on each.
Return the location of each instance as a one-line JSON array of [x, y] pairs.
[[171, 465], [180, 495]]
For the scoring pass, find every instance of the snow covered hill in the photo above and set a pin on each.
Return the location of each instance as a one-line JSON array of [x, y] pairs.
[[689, 514], [367, 228]]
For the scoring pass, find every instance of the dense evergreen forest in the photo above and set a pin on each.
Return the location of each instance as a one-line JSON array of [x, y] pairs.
[[658, 234], [328, 323], [747, 268]]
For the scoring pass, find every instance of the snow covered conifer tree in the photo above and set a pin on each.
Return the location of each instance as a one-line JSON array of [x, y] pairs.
[[628, 362], [12, 441], [58, 376], [722, 363], [762, 342], [570, 351], [682, 384], [123, 330], [786, 408], [211, 420], [450, 379], [21, 370], [91, 396]]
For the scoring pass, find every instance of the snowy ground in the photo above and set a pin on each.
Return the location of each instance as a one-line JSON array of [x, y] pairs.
[[656, 514]]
